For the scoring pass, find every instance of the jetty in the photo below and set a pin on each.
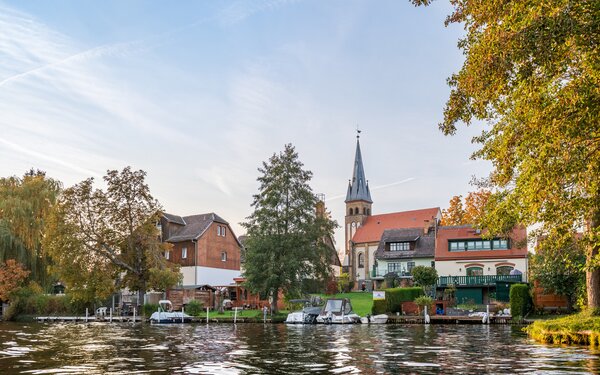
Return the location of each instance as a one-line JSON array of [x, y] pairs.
[[88, 319], [448, 319]]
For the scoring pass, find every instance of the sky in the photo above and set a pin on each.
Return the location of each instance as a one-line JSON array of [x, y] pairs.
[[199, 93]]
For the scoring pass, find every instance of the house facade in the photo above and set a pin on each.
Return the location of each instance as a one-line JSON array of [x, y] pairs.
[[204, 246]]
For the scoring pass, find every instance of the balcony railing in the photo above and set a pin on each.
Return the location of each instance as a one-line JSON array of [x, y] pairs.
[[485, 280], [380, 273]]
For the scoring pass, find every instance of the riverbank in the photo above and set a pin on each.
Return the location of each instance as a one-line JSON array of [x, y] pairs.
[[582, 329]]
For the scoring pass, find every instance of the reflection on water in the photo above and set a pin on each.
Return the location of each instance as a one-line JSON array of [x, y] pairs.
[[257, 348]]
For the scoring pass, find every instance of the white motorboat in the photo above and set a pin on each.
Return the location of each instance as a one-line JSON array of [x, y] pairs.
[[165, 314], [374, 319], [307, 315], [338, 311]]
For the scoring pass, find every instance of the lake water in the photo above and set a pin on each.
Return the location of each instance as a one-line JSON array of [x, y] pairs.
[[97, 348]]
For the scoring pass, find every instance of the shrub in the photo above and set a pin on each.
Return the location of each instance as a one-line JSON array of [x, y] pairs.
[[424, 276], [149, 308], [395, 296], [332, 287], [379, 307], [194, 308], [344, 284], [423, 301], [519, 300]]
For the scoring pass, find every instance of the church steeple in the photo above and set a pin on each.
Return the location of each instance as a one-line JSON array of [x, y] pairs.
[[358, 188]]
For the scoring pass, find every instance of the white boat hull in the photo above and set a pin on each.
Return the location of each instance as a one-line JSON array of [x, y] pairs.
[[338, 319], [375, 319], [169, 317]]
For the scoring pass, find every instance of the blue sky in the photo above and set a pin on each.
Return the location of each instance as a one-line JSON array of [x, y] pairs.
[[199, 93]]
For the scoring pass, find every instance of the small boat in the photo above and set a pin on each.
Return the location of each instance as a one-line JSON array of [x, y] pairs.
[[374, 319], [308, 315], [338, 311], [165, 314]]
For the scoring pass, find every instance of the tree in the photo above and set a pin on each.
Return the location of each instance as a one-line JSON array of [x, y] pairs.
[[471, 212], [25, 204], [559, 270], [104, 240], [532, 73], [12, 274], [425, 276], [285, 242]]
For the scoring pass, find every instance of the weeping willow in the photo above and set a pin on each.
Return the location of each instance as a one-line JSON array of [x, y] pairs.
[[24, 206]]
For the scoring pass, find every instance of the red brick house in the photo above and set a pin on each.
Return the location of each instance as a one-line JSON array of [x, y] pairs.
[[204, 246]]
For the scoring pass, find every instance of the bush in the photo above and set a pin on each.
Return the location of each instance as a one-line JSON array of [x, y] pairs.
[[423, 301], [424, 276], [194, 308], [149, 308], [395, 296], [520, 300], [379, 307]]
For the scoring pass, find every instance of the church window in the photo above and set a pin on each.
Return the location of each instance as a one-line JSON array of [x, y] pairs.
[[361, 260]]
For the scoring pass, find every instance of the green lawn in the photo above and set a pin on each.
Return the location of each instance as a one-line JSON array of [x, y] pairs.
[[361, 301]]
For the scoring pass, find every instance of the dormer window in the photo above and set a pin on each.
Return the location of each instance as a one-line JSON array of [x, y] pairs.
[[399, 246]]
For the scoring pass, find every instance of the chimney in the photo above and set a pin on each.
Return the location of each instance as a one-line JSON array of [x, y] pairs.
[[426, 227]]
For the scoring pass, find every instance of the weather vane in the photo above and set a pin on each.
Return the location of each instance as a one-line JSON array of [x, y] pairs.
[[357, 132]]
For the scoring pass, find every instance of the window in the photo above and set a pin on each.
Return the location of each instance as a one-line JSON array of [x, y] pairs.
[[183, 252], [223, 231], [433, 264], [477, 245], [224, 256], [474, 271], [361, 260], [503, 270], [399, 246], [364, 210], [167, 255], [350, 211], [410, 266], [395, 267]]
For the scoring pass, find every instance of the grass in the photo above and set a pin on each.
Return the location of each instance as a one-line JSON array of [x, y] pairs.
[[362, 302], [581, 328]]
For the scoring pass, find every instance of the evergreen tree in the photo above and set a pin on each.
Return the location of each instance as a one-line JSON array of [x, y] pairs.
[[285, 242]]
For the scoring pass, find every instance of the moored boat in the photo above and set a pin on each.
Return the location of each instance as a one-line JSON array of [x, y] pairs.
[[165, 314], [338, 311], [374, 319]]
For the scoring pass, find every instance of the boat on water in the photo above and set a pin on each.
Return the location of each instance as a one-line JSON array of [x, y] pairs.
[[308, 314], [374, 319], [165, 314], [338, 311]]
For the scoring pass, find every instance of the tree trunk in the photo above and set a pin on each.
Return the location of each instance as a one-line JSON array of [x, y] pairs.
[[274, 302], [592, 277], [141, 294]]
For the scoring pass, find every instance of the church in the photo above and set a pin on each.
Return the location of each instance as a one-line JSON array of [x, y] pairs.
[[376, 245]]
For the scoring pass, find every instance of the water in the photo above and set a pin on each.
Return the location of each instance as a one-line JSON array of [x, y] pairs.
[[97, 348]]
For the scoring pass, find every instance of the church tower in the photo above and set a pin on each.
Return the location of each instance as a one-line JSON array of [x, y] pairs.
[[358, 198]]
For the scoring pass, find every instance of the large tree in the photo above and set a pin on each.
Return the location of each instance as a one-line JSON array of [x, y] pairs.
[[102, 240], [285, 242], [472, 211], [25, 204], [532, 73]]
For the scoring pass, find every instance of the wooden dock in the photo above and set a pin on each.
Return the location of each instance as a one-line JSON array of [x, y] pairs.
[[446, 319], [89, 319]]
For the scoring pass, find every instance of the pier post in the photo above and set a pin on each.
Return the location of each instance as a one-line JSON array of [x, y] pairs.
[[207, 315], [235, 315], [134, 315], [86, 314], [182, 313], [110, 316]]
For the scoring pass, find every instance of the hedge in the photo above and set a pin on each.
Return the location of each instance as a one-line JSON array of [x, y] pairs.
[[395, 296], [519, 300], [379, 307]]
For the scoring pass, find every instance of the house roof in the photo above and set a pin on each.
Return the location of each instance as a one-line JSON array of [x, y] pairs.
[[424, 243], [358, 188], [375, 225], [191, 227]]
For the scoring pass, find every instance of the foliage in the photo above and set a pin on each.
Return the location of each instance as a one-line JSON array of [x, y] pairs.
[[12, 275], [423, 301], [532, 73], [149, 308], [379, 307], [332, 286], [285, 242], [30, 300], [424, 276], [103, 240], [472, 212], [25, 204], [520, 300], [343, 283], [582, 328], [194, 308], [164, 278], [391, 280], [559, 270], [395, 296]]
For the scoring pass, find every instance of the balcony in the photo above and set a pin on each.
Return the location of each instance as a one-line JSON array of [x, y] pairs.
[[379, 274], [485, 280]]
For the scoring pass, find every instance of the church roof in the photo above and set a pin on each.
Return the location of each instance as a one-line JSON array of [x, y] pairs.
[[374, 226], [358, 188]]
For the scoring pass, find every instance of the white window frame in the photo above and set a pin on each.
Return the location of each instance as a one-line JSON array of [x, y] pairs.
[[224, 256], [184, 253], [167, 255]]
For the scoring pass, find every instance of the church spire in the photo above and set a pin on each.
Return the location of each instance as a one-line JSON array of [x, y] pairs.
[[358, 189]]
